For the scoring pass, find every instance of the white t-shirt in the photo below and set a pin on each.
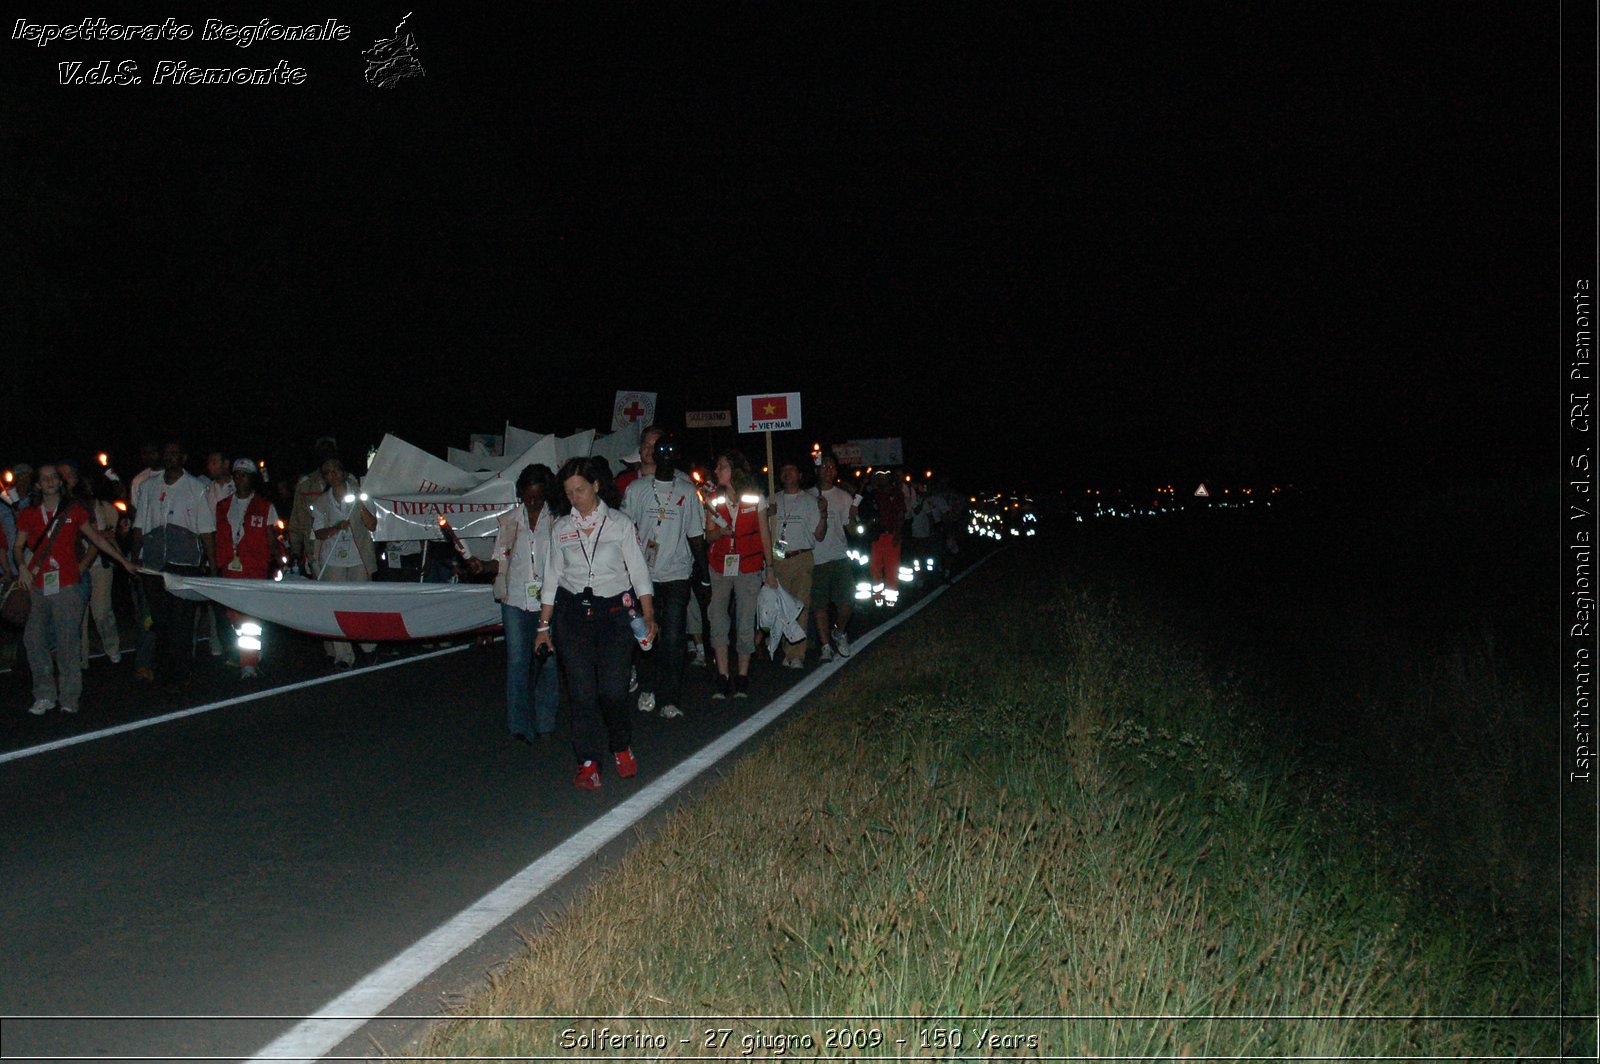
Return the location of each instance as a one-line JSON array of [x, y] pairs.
[[667, 514], [138, 481], [182, 503], [218, 490], [926, 512], [832, 545], [794, 520]]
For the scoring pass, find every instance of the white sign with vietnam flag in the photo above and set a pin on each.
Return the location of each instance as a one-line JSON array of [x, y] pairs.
[[772, 412]]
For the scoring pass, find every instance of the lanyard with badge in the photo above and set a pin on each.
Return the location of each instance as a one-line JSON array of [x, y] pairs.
[[234, 565], [50, 579], [652, 547], [342, 551], [535, 585], [780, 549], [587, 598], [731, 561]]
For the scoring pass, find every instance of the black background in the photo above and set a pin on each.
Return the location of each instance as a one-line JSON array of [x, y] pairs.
[[1055, 243]]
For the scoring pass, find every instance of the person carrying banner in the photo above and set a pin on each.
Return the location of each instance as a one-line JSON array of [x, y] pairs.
[[97, 572], [219, 485], [247, 531], [173, 532], [309, 488], [521, 548], [342, 526], [46, 554], [596, 586], [667, 513], [740, 547]]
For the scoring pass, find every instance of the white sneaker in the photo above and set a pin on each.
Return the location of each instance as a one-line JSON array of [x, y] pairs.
[[68, 709], [841, 643], [116, 659], [248, 672], [669, 711], [826, 655], [793, 663], [647, 701], [633, 680], [41, 706]]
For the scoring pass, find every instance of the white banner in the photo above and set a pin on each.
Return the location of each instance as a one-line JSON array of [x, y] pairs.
[[409, 489], [475, 461], [520, 440], [363, 613], [624, 443]]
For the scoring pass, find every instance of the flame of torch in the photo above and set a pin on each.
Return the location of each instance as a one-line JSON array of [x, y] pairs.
[[451, 537]]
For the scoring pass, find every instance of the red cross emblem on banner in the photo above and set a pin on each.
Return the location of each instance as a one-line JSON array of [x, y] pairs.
[[633, 411]]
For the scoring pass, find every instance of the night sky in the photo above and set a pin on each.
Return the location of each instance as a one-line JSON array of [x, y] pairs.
[[1066, 243]]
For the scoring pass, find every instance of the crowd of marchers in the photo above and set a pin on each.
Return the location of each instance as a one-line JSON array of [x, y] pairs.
[[613, 582]]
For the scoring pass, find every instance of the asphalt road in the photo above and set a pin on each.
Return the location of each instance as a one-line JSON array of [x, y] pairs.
[[243, 866]]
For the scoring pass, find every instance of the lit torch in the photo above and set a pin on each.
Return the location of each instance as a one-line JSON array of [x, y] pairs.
[[280, 540], [451, 538]]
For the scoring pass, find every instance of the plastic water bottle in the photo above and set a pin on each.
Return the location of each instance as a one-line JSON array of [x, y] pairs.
[[641, 631]]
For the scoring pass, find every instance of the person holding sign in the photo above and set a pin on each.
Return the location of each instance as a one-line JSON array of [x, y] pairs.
[[597, 599], [740, 547], [521, 546], [343, 528]]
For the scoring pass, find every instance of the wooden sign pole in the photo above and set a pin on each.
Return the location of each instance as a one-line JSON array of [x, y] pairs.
[[771, 491]]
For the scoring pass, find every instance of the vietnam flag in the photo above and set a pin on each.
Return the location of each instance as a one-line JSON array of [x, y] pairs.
[[770, 407]]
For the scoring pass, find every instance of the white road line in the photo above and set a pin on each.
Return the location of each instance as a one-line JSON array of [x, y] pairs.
[[318, 1035], [104, 733]]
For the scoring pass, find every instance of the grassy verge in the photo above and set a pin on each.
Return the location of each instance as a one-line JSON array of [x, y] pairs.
[[1029, 803]]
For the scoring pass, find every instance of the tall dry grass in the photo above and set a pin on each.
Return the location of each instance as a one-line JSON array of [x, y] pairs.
[[1032, 823]]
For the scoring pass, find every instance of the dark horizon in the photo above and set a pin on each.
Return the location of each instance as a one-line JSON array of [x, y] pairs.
[[1100, 245]]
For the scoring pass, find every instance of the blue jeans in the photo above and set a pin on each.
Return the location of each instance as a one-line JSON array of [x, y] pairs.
[[661, 667], [522, 716]]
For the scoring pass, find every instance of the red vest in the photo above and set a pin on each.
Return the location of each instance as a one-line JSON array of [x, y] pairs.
[[745, 541], [255, 546]]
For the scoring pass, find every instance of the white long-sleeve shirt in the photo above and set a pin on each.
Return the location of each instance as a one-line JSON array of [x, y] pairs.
[[522, 553], [608, 560]]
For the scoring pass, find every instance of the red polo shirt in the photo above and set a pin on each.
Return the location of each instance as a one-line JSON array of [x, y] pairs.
[[63, 556]]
